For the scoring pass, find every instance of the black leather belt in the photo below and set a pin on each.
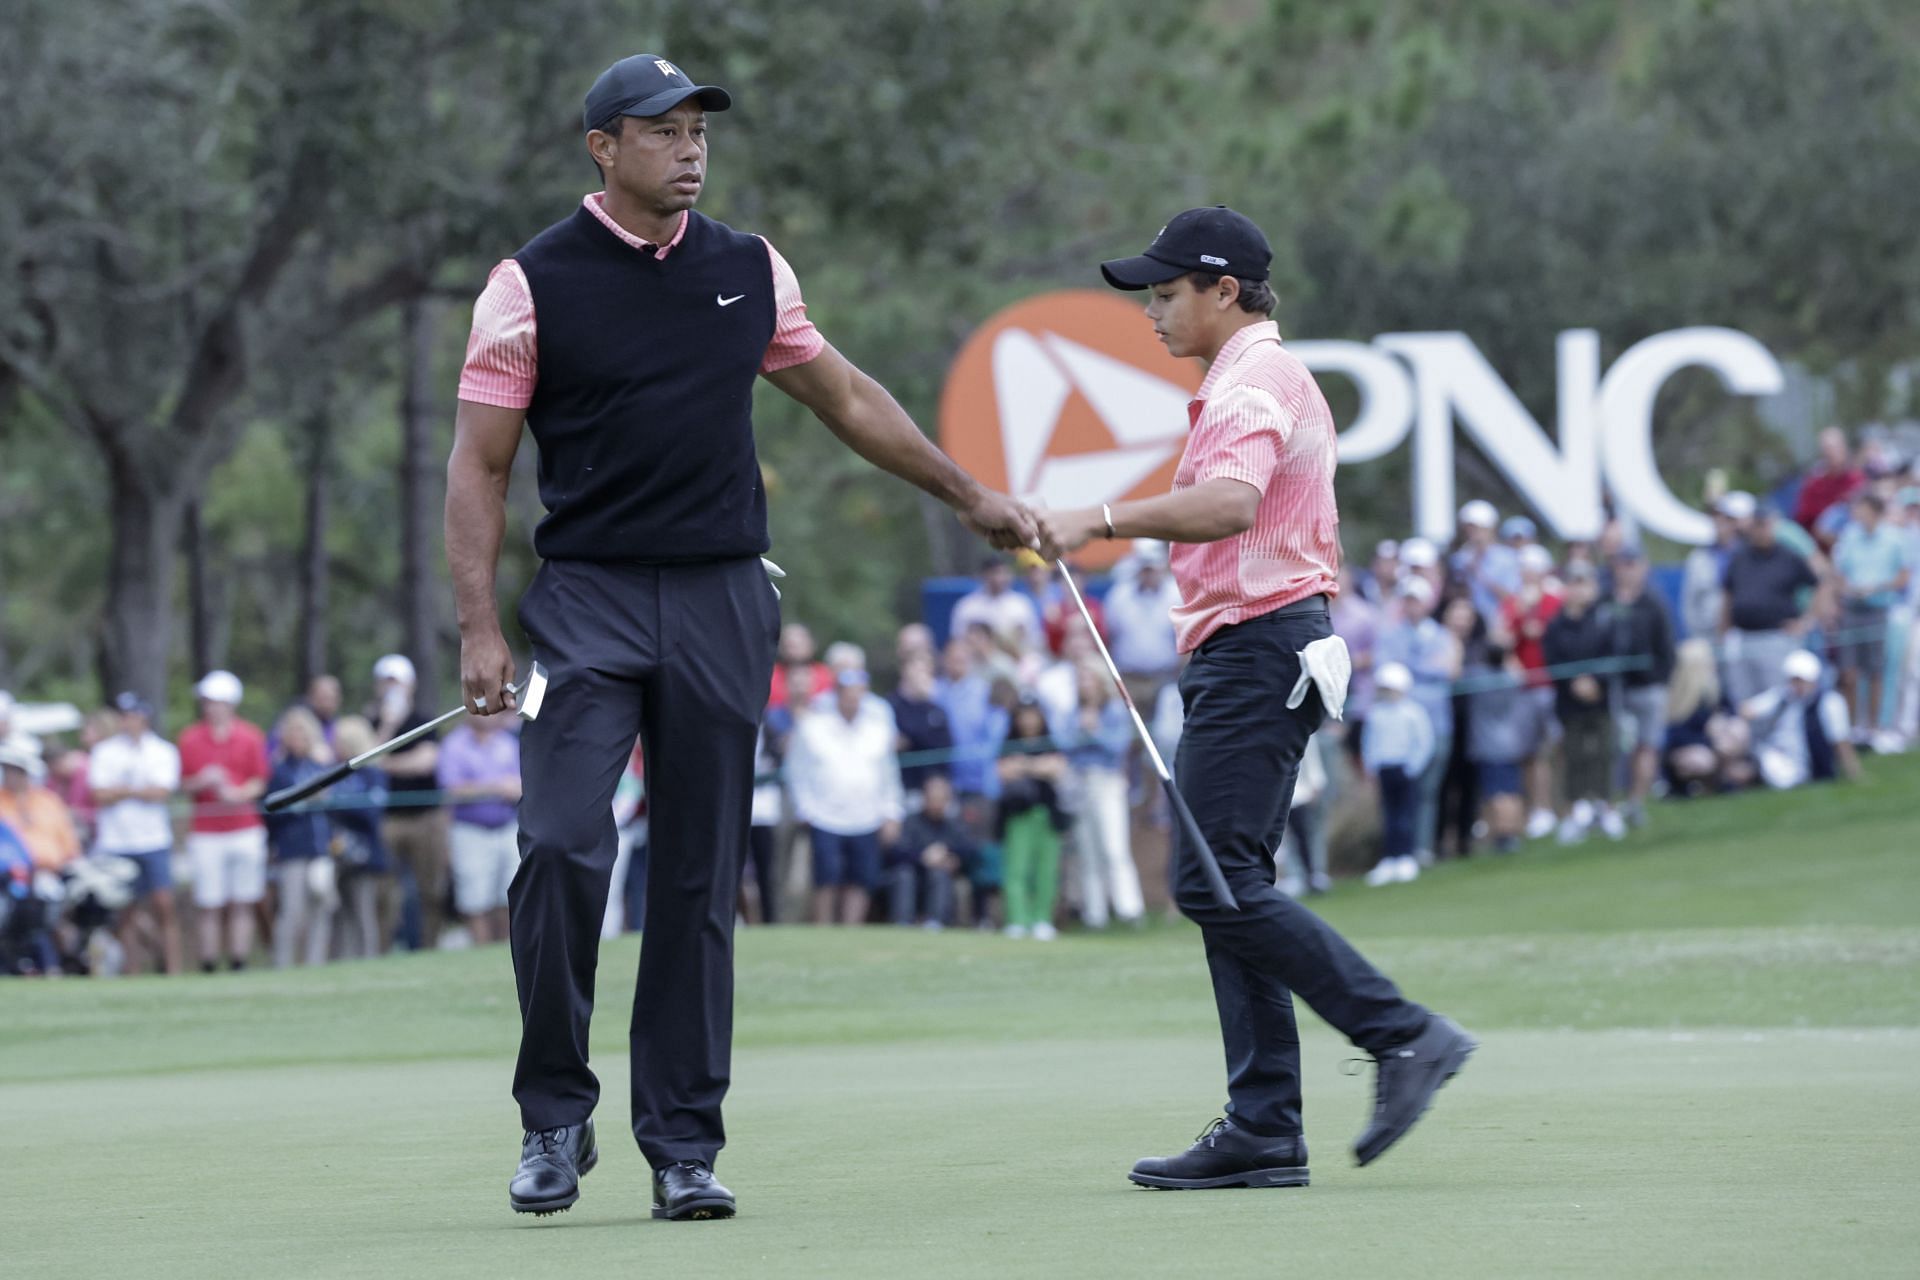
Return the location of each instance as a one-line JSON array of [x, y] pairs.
[[1314, 604]]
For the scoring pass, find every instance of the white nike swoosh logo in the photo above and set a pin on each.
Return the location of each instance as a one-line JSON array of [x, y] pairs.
[[727, 302]]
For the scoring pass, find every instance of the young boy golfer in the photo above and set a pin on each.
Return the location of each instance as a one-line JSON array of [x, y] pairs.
[[1256, 548]]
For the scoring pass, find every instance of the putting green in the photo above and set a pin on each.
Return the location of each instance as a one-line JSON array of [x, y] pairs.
[[1698, 1059]]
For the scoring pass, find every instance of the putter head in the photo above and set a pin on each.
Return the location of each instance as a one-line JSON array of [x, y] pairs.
[[532, 692]]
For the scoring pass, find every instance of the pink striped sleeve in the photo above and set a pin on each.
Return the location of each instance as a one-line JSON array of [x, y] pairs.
[[502, 358], [1240, 437], [795, 340]]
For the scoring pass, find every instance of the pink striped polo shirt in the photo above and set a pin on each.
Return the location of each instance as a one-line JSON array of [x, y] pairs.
[[502, 355], [1259, 418]]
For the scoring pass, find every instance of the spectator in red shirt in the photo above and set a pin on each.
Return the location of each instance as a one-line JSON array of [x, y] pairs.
[[223, 767], [796, 652], [1524, 616], [1833, 479]]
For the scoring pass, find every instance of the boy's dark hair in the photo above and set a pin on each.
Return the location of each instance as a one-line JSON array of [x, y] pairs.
[[1256, 296]]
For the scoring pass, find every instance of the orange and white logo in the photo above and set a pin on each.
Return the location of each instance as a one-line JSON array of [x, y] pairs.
[[1067, 399]]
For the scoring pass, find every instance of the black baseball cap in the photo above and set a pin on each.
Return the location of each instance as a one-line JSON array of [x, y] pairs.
[[645, 85], [1215, 240]]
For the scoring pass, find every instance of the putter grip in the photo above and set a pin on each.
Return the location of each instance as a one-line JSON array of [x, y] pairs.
[[294, 795], [1201, 849]]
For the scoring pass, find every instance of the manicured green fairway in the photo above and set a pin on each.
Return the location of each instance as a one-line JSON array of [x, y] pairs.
[[1701, 1057]]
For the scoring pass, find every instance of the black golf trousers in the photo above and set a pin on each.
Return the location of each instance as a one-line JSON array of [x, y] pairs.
[[680, 655], [1239, 754]]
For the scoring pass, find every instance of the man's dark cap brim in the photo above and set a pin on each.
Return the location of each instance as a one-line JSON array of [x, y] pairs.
[[1140, 273], [712, 98]]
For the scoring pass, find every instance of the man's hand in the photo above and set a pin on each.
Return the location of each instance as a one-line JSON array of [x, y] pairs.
[[1064, 532], [1005, 523], [486, 669], [889, 833]]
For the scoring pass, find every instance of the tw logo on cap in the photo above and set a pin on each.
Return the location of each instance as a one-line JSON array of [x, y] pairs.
[[668, 69]]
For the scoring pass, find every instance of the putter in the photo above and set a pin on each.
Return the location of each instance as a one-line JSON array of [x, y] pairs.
[[529, 693], [1208, 863]]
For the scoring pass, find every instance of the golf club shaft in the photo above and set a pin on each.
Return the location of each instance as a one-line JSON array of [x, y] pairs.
[[406, 739], [313, 786], [1208, 863], [1139, 725]]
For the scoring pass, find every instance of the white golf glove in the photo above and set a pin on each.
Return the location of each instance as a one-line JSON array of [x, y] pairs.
[[1327, 664]]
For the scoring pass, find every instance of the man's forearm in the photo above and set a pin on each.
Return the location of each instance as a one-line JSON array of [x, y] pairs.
[[873, 425], [476, 521], [1206, 512]]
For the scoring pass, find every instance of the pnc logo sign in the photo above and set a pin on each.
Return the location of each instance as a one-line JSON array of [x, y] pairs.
[[1068, 398]]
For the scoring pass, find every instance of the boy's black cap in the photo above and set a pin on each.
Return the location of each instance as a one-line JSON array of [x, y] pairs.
[[645, 85], [1215, 240]]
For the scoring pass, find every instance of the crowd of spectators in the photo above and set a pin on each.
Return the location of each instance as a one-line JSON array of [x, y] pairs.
[[1502, 691]]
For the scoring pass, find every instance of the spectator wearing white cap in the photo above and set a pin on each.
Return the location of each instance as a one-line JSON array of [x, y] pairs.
[[1139, 619], [224, 767], [132, 774], [1701, 589], [1433, 655], [1397, 748], [1800, 730], [1489, 567], [415, 828]]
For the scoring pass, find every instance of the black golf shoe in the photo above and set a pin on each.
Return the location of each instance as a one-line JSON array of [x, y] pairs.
[[1407, 1076], [1224, 1156], [686, 1192], [552, 1162]]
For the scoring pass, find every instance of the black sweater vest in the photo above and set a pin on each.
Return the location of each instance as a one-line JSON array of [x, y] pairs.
[[643, 406]]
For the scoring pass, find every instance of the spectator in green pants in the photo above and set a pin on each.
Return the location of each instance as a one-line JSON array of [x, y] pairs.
[[1030, 822]]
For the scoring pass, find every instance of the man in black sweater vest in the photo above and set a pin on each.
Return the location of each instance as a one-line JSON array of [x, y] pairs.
[[627, 337]]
